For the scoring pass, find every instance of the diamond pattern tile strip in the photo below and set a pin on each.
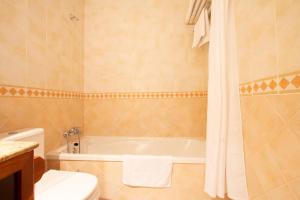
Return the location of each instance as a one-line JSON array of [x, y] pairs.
[[3, 91], [296, 81], [263, 86], [13, 91], [21, 92], [255, 87], [272, 85], [36, 93], [249, 88], [243, 89], [29, 92], [284, 83]]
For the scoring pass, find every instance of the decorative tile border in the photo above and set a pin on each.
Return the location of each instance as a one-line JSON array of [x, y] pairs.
[[289, 83], [285, 83], [246, 89], [145, 95], [15, 91]]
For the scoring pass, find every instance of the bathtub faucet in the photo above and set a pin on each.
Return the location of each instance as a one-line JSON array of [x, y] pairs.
[[73, 146], [72, 131]]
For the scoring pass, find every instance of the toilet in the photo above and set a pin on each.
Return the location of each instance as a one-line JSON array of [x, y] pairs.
[[56, 184]]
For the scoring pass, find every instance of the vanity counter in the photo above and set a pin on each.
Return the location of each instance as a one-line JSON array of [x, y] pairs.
[[11, 149]]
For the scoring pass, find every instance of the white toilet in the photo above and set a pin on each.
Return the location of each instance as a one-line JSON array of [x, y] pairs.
[[55, 184]]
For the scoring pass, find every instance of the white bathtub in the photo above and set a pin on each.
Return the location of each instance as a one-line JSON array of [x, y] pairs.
[[183, 150]]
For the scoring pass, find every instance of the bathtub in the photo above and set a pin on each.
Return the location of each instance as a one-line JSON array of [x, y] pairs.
[[183, 150], [103, 156]]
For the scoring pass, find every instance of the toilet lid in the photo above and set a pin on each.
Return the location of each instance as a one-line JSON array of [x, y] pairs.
[[56, 185]]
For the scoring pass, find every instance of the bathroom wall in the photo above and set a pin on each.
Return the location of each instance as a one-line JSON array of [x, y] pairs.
[[142, 78], [134, 48], [41, 66], [268, 47]]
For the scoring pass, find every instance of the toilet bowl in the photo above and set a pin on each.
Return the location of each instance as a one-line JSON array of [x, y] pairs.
[[61, 185], [56, 184]]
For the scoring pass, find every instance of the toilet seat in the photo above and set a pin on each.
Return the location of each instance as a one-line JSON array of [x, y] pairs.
[[62, 185]]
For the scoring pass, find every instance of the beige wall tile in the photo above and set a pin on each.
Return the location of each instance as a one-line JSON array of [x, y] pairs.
[[268, 42], [261, 121], [286, 148], [295, 188], [38, 44], [41, 47], [36, 69], [288, 30], [288, 106], [254, 186], [262, 197], [273, 160], [13, 42], [256, 39], [281, 193], [54, 115], [36, 54], [145, 117], [266, 169], [147, 49]]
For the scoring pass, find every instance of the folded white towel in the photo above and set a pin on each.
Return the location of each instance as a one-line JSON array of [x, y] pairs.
[[201, 29], [147, 171]]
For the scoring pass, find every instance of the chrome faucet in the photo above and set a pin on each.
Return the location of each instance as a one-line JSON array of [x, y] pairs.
[[75, 131]]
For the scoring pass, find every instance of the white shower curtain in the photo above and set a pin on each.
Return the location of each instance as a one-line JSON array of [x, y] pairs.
[[225, 168]]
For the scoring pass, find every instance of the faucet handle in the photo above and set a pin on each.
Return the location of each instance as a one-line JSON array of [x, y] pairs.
[[76, 130], [72, 131]]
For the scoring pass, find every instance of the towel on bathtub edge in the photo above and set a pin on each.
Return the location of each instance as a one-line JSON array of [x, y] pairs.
[[147, 171]]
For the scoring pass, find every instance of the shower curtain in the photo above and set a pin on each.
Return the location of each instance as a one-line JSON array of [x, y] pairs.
[[225, 168]]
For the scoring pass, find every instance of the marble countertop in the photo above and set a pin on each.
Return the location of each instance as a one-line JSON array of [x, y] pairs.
[[10, 149]]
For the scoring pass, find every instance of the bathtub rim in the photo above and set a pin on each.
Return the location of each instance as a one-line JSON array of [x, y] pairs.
[[58, 155]]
